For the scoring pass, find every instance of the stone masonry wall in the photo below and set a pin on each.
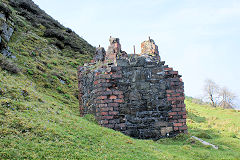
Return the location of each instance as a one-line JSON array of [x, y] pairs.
[[137, 95]]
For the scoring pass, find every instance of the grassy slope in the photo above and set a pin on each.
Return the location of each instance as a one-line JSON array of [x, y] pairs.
[[53, 129], [39, 113]]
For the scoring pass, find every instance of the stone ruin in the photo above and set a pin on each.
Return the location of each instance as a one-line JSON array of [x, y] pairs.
[[133, 93]]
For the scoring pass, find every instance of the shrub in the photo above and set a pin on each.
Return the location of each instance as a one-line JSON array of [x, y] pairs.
[[59, 44], [68, 30], [65, 36], [67, 96], [54, 77], [44, 75], [54, 33], [32, 12], [28, 7], [49, 66], [54, 63], [60, 90], [30, 72]]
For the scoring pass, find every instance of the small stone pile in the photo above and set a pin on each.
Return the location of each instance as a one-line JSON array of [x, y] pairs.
[[135, 94]]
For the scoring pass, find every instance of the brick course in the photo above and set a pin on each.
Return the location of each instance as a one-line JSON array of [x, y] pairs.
[[137, 95]]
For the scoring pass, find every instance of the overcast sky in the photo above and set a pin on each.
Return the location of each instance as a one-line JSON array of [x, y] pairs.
[[199, 38]]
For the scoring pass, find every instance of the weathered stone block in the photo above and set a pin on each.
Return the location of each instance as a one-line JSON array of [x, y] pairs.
[[166, 130], [161, 124], [134, 94]]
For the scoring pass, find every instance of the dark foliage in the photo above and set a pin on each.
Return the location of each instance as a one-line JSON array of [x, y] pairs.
[[5, 10], [69, 30], [59, 44], [34, 14], [1, 44], [28, 7], [54, 33], [69, 38], [65, 36]]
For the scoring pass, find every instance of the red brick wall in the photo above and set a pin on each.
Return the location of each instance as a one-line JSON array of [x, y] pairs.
[[107, 98], [175, 96]]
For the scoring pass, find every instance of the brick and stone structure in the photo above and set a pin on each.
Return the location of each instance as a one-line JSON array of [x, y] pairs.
[[149, 48], [135, 94]]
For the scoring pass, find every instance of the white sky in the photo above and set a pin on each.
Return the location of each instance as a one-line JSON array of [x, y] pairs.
[[199, 38]]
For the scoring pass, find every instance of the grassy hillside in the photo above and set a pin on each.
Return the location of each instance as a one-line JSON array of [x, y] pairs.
[[43, 53], [39, 116], [52, 129]]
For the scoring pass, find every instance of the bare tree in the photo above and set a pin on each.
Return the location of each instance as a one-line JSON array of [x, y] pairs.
[[218, 96], [226, 97], [211, 90]]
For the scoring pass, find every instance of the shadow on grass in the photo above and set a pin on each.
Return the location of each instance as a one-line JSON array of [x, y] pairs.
[[196, 118], [204, 133]]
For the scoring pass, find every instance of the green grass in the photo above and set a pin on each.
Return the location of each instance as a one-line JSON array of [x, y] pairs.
[[39, 116], [41, 124]]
